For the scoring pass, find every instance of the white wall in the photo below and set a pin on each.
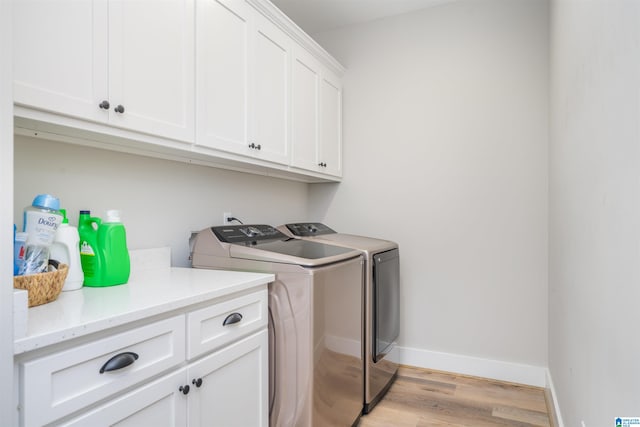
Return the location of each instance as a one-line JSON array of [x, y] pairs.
[[445, 130], [7, 405], [161, 201], [594, 271]]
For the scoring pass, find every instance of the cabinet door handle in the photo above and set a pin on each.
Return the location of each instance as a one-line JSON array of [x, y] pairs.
[[197, 382], [104, 105], [252, 145], [184, 389], [119, 361], [258, 147], [119, 109], [323, 164], [232, 318]]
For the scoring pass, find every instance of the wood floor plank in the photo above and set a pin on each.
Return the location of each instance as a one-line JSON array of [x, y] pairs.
[[516, 414], [493, 392], [425, 398]]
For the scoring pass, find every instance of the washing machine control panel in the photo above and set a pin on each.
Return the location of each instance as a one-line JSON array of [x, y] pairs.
[[246, 233], [306, 229]]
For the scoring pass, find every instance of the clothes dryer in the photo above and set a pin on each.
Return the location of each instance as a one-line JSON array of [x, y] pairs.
[[381, 300], [315, 320]]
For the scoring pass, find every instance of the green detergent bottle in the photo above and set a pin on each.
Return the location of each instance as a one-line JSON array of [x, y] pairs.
[[90, 258], [112, 243], [107, 240]]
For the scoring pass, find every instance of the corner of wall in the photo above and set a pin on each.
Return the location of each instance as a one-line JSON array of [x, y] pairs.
[[553, 407]]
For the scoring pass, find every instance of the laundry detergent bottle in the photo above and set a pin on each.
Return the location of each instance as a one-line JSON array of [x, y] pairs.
[[41, 220], [112, 244], [90, 258], [66, 250], [103, 249]]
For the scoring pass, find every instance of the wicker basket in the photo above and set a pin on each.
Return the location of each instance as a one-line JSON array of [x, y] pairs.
[[42, 287]]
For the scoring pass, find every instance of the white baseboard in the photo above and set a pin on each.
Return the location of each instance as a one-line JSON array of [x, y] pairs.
[[475, 366], [556, 406]]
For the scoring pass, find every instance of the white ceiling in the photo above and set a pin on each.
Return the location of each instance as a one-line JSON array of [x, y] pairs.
[[315, 16]]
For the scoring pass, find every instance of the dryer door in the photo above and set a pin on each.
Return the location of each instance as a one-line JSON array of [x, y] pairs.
[[386, 302]]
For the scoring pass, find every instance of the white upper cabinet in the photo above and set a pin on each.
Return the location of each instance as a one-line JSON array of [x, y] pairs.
[[270, 124], [316, 116], [151, 66], [330, 151], [222, 74], [227, 83], [61, 56], [242, 81], [119, 62], [305, 103]]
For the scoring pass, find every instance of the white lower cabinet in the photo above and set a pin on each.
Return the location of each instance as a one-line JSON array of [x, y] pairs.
[[157, 374], [233, 386], [225, 389], [65, 381], [160, 403]]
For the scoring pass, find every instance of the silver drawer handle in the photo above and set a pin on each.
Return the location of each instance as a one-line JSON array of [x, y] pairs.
[[119, 361], [232, 318]]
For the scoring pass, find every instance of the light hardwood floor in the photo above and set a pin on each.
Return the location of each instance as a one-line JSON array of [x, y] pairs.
[[421, 398]]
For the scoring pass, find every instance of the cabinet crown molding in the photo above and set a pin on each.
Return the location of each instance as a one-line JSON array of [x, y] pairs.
[[294, 31]]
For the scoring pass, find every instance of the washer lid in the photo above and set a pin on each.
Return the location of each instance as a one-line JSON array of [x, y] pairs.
[[320, 233], [292, 251], [367, 244], [265, 243]]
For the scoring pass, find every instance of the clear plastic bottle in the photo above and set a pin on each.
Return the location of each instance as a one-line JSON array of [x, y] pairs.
[[66, 249], [41, 220]]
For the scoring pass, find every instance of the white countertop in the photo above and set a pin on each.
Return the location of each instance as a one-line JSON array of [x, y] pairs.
[[152, 292]]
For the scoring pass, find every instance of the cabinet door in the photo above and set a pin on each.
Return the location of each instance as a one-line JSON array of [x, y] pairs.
[[222, 42], [159, 403], [331, 124], [305, 86], [151, 67], [60, 56], [233, 391], [270, 91]]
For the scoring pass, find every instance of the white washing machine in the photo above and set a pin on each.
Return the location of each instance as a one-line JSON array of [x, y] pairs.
[[381, 301], [315, 320]]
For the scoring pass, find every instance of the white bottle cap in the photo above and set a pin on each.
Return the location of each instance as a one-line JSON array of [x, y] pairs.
[[113, 215]]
